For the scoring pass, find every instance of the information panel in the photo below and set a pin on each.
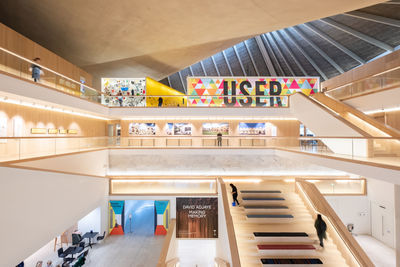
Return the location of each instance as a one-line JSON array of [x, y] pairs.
[[247, 91], [197, 217]]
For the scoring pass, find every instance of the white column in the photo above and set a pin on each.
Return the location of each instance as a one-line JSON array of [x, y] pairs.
[[397, 222]]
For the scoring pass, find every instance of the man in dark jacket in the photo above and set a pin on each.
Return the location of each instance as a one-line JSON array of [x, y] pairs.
[[320, 226]]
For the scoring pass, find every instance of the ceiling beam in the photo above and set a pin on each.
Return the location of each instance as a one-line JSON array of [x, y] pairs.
[[169, 81], [251, 58], [319, 50], [374, 18], [215, 66], [240, 61], [191, 71], [390, 3], [183, 84], [291, 53], [272, 36], [227, 63], [334, 42], [358, 34], [265, 56], [202, 67], [312, 62]]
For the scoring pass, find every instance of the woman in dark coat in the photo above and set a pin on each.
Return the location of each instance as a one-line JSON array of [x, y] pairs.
[[320, 226]]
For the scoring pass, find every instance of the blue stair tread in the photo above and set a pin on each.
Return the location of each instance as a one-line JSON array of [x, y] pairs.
[[280, 234], [263, 198], [269, 216], [291, 261], [261, 191], [265, 207]]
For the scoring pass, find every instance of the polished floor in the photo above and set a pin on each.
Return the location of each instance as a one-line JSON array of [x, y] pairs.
[[380, 254], [129, 250]]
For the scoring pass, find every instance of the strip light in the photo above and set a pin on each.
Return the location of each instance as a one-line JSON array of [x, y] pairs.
[[161, 181], [51, 108], [243, 180], [382, 110]]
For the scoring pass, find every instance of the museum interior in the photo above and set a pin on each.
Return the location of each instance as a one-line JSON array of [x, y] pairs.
[[200, 133]]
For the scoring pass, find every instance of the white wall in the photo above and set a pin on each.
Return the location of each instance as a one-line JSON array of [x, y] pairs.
[[37, 206], [91, 222], [223, 249], [196, 252], [91, 163], [352, 209]]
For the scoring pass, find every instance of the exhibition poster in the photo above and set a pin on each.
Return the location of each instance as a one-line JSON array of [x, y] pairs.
[[142, 128], [196, 217], [215, 128], [250, 128], [182, 129], [116, 213], [247, 91]]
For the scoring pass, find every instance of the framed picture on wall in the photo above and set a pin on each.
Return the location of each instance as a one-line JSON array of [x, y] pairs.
[[182, 129], [142, 128], [251, 128], [169, 130], [215, 128]]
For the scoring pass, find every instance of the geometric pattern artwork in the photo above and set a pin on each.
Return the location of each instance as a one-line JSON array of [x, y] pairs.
[[116, 213], [247, 91], [162, 211]]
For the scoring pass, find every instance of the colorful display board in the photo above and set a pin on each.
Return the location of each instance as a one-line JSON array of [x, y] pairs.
[[119, 91], [141, 217], [215, 128], [182, 129], [247, 91], [116, 213], [142, 128], [197, 217], [250, 128]]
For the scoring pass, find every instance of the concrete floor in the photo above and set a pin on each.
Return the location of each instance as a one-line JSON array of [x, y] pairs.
[[380, 254], [129, 250]]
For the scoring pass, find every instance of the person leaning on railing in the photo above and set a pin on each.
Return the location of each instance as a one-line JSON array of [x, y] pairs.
[[36, 70]]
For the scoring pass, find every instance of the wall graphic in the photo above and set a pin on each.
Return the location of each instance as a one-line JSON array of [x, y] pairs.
[[197, 217], [120, 90], [250, 128], [116, 213], [247, 91], [215, 128], [142, 128], [162, 217], [182, 129]]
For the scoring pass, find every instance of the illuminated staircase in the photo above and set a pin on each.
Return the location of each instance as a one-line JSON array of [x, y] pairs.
[[283, 233]]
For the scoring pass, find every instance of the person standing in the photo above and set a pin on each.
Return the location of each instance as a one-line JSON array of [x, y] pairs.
[[219, 139], [36, 70], [234, 194], [320, 226], [160, 101]]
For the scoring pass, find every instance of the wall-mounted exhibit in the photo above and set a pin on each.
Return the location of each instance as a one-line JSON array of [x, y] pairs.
[[141, 217], [182, 129], [250, 128], [196, 217], [247, 92], [142, 128], [215, 128], [118, 91]]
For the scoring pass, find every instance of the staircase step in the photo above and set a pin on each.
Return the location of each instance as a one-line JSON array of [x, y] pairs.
[[269, 218], [265, 207], [280, 234], [260, 191], [286, 249], [266, 216], [290, 262]]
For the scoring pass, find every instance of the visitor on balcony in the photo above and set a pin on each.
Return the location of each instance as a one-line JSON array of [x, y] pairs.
[[219, 139], [36, 70], [160, 101]]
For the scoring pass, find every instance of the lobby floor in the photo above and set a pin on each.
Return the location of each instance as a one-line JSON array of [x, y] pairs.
[[129, 250], [380, 254]]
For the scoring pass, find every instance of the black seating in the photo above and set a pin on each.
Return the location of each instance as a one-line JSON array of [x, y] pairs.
[[76, 239], [60, 253], [280, 234], [291, 261], [99, 238]]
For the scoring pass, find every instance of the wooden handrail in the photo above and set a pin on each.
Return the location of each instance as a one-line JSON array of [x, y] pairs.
[[351, 250], [229, 225], [221, 262], [162, 260]]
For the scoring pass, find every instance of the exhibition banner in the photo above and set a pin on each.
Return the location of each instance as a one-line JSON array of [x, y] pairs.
[[197, 217], [247, 91], [116, 216]]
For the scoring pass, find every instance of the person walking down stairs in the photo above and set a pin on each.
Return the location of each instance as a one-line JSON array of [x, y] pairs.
[[320, 226], [234, 194]]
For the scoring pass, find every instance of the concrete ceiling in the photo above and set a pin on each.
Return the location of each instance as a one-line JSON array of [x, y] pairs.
[[135, 38]]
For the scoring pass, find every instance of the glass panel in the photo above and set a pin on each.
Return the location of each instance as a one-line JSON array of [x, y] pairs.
[[339, 186]]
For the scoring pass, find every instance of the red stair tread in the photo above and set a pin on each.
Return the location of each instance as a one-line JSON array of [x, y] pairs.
[[283, 247]]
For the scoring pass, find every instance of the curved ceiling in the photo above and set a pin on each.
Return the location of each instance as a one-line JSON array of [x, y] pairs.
[[135, 38], [325, 48]]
